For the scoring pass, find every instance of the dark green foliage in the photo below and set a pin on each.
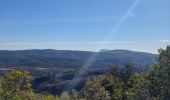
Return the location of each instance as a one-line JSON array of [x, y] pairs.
[[159, 77], [93, 90], [164, 60]]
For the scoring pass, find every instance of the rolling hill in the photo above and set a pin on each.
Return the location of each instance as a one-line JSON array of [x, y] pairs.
[[53, 70], [73, 59]]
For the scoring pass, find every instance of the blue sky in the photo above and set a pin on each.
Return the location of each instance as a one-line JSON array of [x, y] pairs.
[[140, 25]]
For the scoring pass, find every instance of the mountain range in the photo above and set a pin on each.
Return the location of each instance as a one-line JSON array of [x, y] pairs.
[[49, 58]]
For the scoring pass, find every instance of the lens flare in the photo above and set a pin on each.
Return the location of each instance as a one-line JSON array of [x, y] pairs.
[[93, 57]]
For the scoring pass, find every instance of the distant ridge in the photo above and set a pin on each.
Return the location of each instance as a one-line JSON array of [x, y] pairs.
[[73, 59]]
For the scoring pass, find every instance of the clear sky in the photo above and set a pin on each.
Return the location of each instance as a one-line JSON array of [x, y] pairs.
[[140, 25]]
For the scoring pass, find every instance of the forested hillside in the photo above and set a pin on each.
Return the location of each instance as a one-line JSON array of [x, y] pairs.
[[73, 59], [53, 70], [116, 84]]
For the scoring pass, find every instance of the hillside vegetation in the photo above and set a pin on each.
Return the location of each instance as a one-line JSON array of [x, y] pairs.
[[125, 83], [73, 59]]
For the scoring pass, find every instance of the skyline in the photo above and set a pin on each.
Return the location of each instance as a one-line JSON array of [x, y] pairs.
[[33, 45], [90, 25]]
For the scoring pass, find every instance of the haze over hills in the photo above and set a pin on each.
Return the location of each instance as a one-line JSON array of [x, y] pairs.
[[49, 58], [53, 70]]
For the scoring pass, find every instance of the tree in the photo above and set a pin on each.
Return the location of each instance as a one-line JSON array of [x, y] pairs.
[[94, 91], [16, 85], [125, 77], [64, 96], [155, 79], [164, 62], [113, 85], [159, 77], [137, 88]]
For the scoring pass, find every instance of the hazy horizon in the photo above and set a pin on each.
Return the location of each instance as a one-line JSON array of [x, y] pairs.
[[103, 50], [89, 25]]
